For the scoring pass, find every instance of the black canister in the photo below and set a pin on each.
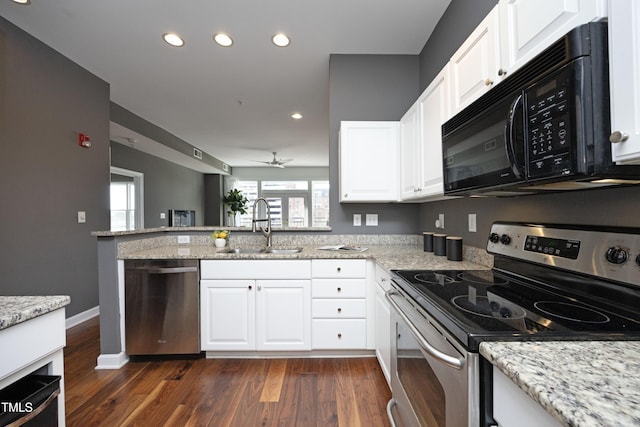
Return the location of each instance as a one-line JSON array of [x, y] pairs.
[[454, 248], [440, 244], [428, 241]]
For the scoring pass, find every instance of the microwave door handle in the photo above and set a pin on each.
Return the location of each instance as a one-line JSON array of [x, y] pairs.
[[510, 137], [441, 357]]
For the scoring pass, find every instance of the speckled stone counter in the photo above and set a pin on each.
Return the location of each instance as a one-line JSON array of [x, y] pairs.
[[18, 309], [388, 256], [580, 383]]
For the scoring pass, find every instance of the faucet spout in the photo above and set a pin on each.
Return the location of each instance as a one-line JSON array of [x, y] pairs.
[[265, 231]]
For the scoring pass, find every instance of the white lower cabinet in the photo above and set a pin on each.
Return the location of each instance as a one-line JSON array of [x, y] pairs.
[[512, 407], [383, 322], [339, 304], [268, 309]]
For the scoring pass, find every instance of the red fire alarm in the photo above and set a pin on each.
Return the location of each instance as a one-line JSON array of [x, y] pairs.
[[83, 140]]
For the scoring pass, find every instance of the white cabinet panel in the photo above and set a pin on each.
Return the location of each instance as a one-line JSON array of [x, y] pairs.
[[227, 314], [339, 334], [339, 268], [624, 68], [368, 161], [475, 65], [283, 314], [410, 154], [528, 27], [339, 308], [344, 288]]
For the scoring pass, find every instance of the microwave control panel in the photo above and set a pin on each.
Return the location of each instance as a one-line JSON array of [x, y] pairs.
[[549, 128]]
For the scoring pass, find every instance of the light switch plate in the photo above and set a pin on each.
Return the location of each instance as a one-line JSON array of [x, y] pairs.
[[183, 239], [357, 220], [82, 217], [372, 220], [163, 215], [472, 223]]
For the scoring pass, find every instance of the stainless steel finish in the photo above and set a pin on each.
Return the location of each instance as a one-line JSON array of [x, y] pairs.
[[460, 386], [267, 231], [441, 357], [390, 405], [245, 251], [617, 137], [162, 307], [593, 248], [283, 250], [270, 250]]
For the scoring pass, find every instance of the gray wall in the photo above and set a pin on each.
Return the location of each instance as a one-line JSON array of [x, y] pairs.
[[616, 206], [45, 177], [369, 87], [458, 21], [166, 185]]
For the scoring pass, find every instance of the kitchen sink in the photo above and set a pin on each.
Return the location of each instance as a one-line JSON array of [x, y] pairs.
[[264, 251], [246, 251], [283, 250]]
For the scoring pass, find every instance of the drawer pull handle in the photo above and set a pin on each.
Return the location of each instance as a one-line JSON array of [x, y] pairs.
[[339, 335], [339, 269], [339, 310], [250, 287], [339, 289]]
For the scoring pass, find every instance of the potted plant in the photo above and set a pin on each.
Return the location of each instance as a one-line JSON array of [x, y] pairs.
[[236, 203], [220, 238]]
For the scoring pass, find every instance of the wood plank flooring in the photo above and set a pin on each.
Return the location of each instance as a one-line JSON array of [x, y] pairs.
[[220, 392]]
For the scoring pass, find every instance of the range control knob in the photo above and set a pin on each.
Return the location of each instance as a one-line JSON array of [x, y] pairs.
[[505, 239], [617, 255], [494, 237]]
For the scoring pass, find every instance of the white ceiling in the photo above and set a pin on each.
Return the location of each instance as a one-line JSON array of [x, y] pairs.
[[233, 103]]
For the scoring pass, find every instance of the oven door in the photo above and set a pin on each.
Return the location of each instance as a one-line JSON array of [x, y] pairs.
[[434, 380]]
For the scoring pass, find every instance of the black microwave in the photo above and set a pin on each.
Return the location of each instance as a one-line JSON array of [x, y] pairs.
[[545, 127]]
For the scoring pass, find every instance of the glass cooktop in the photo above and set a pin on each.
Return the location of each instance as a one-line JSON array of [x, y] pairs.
[[480, 305]]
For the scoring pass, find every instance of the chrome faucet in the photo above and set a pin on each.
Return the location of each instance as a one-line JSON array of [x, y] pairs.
[[267, 231]]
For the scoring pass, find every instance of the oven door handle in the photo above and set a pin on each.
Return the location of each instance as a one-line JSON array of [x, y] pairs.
[[441, 357]]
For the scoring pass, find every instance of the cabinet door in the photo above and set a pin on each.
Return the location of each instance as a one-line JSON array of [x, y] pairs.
[[528, 27], [475, 65], [227, 315], [368, 161], [383, 333], [624, 68], [434, 111], [410, 154], [283, 312]]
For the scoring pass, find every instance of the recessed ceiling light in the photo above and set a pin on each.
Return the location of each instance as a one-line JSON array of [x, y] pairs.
[[281, 40], [223, 39], [173, 39], [22, 1], [296, 116]]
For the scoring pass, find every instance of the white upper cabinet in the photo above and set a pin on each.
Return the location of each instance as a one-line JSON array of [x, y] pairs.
[[527, 27], [421, 142], [475, 65], [369, 161], [624, 68], [410, 154]]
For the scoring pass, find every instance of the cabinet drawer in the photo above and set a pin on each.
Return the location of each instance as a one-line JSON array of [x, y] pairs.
[[339, 268], [339, 334], [339, 308], [330, 288]]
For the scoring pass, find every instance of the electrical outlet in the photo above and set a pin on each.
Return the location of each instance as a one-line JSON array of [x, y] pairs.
[[163, 215], [440, 221], [357, 220], [372, 220], [472, 223], [184, 240], [82, 217]]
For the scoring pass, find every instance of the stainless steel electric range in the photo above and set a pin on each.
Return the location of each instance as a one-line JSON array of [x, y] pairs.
[[549, 282]]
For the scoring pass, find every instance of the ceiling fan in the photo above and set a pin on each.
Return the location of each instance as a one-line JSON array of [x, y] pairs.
[[275, 162]]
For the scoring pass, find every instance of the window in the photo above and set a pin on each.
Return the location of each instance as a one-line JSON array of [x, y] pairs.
[[126, 195], [289, 202]]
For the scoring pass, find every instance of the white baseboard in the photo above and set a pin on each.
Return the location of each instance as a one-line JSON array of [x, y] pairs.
[[82, 317], [112, 361]]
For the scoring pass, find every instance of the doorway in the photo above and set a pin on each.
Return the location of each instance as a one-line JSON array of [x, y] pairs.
[[127, 199]]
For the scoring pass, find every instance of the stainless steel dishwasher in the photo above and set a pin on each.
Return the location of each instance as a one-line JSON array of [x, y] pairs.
[[162, 307]]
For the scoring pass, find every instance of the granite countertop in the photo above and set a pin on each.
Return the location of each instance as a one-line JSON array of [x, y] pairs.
[[580, 383], [388, 256], [18, 309]]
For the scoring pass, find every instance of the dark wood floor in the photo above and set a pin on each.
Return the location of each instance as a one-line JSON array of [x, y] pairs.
[[220, 392]]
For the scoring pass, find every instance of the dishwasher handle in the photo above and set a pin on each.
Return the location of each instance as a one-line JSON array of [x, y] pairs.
[[171, 270], [441, 357]]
